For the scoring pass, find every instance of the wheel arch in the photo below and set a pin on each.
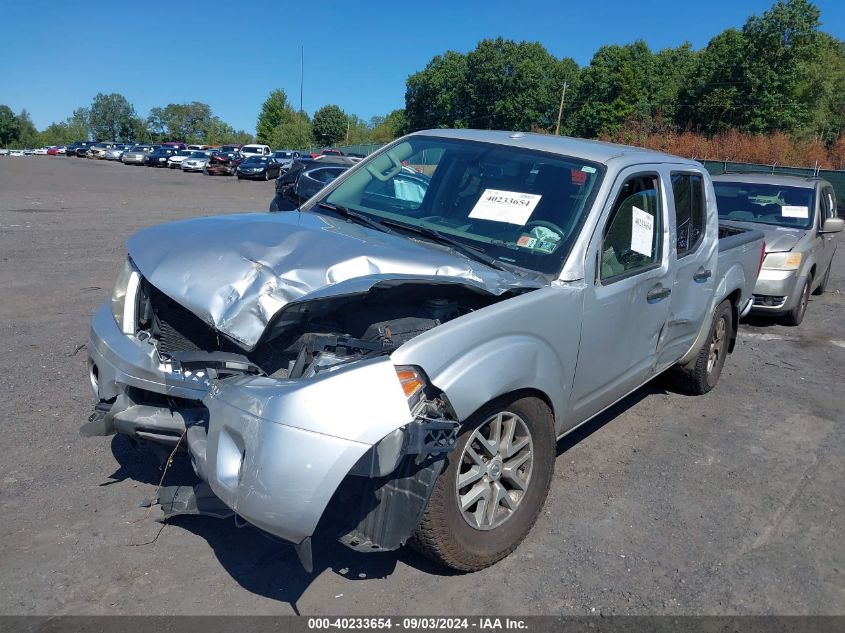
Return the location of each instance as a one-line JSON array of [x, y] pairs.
[[514, 364], [517, 394], [734, 298]]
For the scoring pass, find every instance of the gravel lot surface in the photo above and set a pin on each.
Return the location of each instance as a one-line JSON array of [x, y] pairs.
[[729, 503]]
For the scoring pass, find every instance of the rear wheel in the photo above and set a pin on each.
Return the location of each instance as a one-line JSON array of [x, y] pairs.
[[796, 315], [702, 376], [489, 495]]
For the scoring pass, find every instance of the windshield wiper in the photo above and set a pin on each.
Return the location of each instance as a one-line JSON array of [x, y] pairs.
[[468, 251], [358, 217]]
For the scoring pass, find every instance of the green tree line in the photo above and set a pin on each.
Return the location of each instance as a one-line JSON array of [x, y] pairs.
[[281, 125], [778, 73], [110, 117]]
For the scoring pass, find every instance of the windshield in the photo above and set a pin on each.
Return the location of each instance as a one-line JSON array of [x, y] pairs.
[[778, 205], [185, 152], [283, 155], [198, 155], [256, 160], [519, 206]]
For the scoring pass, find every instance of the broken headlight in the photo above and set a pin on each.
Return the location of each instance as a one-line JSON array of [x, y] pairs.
[[413, 384], [123, 297]]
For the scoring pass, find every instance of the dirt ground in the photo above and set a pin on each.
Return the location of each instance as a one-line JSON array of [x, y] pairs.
[[731, 503]]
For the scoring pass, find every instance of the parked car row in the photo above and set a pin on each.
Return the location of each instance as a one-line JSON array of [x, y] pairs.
[[250, 162]]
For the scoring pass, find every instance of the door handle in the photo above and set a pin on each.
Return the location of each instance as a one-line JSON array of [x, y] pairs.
[[702, 275], [658, 293]]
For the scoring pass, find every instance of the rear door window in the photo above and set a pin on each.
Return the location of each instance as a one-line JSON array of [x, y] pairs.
[[690, 212]]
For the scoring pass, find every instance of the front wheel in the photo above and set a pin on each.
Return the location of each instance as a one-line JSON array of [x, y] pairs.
[[704, 374], [823, 284], [496, 480], [796, 315]]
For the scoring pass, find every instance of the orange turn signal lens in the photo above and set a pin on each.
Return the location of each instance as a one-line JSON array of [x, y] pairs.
[[411, 382]]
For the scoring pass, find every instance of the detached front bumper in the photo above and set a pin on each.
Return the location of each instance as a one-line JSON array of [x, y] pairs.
[[149, 400], [274, 451], [777, 291]]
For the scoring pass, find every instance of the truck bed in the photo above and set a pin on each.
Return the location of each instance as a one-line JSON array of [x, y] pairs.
[[740, 252]]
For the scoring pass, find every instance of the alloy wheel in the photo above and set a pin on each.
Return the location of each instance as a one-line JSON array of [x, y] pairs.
[[717, 345], [494, 471]]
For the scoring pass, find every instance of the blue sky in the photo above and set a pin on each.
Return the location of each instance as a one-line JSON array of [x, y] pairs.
[[56, 55]]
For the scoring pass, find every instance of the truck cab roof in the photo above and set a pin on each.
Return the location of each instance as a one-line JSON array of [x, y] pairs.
[[596, 151]]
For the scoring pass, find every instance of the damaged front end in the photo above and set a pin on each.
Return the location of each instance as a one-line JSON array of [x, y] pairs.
[[313, 430]]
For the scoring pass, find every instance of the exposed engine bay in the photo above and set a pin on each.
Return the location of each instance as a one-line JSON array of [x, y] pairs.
[[310, 337]]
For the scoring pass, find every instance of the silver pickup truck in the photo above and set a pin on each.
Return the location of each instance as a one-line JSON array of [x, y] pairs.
[[396, 360]]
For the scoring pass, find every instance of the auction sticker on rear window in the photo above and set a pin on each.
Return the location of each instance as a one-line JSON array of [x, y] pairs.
[[511, 207], [790, 211]]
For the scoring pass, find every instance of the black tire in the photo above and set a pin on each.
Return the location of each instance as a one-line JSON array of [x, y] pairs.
[[796, 315], [823, 284], [266, 175], [240, 178], [445, 536], [704, 374]]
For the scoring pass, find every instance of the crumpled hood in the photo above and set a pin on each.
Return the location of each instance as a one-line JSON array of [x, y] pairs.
[[779, 239], [238, 271]]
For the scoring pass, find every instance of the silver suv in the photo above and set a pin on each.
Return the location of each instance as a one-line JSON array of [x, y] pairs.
[[798, 217]]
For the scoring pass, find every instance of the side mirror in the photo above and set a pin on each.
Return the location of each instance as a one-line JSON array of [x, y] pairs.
[[833, 225]]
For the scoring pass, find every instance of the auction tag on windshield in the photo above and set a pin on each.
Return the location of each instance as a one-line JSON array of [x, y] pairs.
[[789, 211], [505, 206], [642, 231]]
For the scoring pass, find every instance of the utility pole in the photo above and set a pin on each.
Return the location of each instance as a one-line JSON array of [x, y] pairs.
[[301, 84], [347, 130], [560, 110]]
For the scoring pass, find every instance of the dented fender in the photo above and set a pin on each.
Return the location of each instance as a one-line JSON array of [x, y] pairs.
[[535, 346]]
